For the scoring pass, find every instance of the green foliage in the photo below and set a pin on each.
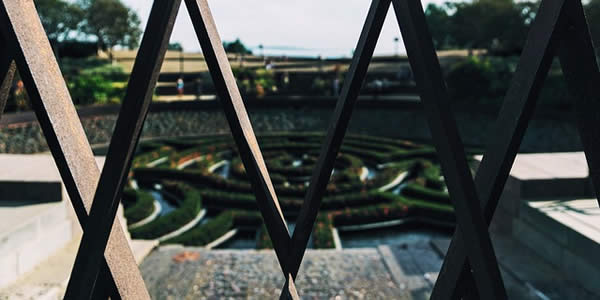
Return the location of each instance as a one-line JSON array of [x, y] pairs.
[[322, 232], [138, 205], [498, 26], [111, 23], [59, 17], [480, 80], [206, 233], [255, 82], [236, 47], [348, 199], [188, 209], [92, 81], [175, 47]]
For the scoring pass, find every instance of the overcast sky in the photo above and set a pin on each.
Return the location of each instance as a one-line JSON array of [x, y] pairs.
[[309, 27]]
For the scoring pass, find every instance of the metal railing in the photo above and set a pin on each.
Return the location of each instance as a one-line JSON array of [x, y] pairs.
[[105, 266]]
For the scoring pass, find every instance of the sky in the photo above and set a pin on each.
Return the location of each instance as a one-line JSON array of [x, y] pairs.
[[329, 28]]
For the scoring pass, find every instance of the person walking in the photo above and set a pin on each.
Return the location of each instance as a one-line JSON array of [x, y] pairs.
[[180, 86]]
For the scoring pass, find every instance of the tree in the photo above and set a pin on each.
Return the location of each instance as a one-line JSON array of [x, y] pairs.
[[59, 18], [438, 20], [236, 47], [112, 23], [499, 26], [175, 47]]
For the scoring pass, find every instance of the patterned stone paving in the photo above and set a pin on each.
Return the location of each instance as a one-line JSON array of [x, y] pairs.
[[194, 273]]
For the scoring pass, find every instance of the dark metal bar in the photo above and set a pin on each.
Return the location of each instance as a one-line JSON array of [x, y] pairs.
[[337, 130], [429, 79], [508, 133], [237, 116], [120, 152], [63, 131], [580, 68], [7, 73]]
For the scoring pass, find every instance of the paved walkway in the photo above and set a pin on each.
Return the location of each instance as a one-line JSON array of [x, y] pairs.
[[403, 271]]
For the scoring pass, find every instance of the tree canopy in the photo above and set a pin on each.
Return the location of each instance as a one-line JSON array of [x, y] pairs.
[[500, 26], [236, 47], [109, 22]]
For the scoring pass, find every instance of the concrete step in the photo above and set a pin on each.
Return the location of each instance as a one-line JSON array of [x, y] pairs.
[[29, 234], [567, 234]]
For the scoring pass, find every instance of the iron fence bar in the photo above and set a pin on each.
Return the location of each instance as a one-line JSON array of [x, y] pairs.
[[337, 129], [580, 68], [125, 138], [64, 134], [430, 82], [510, 127], [7, 72], [241, 128]]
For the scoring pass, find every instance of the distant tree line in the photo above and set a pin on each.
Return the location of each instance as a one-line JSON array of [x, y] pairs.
[[500, 26]]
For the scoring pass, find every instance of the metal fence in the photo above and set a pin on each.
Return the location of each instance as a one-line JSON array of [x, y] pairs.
[[105, 266]]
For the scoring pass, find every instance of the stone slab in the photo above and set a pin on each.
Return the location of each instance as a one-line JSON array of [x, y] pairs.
[[543, 175]]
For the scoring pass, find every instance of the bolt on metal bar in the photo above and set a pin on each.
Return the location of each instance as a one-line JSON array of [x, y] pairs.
[[63, 131], [122, 147], [337, 129], [516, 112], [241, 128], [430, 82]]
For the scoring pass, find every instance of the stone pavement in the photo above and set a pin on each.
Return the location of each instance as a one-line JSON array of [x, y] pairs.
[[402, 271], [195, 273]]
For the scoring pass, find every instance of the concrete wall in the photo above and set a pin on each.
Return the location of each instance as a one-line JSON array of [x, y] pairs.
[[547, 133]]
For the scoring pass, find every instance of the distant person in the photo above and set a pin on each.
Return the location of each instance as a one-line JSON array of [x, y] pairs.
[[336, 86], [269, 65], [180, 86]]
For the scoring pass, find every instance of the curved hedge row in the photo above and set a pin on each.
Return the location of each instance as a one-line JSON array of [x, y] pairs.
[[209, 173], [138, 205], [190, 205]]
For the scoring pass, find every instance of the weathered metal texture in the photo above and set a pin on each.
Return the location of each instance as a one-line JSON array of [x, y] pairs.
[[7, 72], [240, 126], [430, 82], [63, 131], [122, 147], [337, 129], [557, 25]]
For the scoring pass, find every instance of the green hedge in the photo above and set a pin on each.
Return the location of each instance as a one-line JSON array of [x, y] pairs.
[[189, 208], [203, 234], [322, 232], [138, 205], [417, 191], [206, 233]]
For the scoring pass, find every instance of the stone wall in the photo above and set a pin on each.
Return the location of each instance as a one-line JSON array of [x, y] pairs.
[[547, 133]]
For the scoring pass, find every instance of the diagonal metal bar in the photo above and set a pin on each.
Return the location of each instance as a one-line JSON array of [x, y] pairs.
[[63, 131], [240, 126], [7, 72], [122, 146], [429, 79], [580, 68], [509, 130], [337, 129]]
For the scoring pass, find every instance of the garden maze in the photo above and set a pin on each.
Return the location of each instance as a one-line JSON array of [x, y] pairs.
[[194, 191]]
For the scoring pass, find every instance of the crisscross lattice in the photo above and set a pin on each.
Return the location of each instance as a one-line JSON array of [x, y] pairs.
[[104, 266]]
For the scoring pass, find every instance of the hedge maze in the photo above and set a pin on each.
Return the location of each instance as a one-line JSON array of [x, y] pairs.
[[374, 180]]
